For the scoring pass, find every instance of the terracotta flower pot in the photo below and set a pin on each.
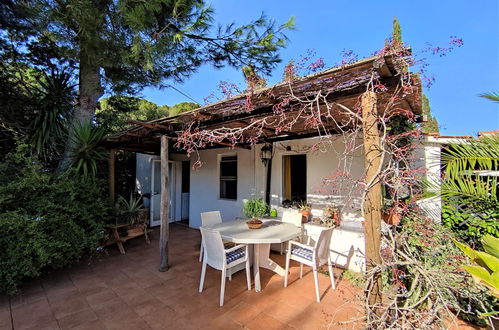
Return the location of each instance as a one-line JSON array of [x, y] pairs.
[[305, 215], [336, 219], [391, 218]]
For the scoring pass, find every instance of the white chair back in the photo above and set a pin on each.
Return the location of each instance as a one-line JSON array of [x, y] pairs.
[[322, 246], [210, 218], [214, 252], [293, 217]]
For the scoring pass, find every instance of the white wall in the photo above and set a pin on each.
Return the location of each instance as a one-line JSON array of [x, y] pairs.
[[251, 180], [205, 185], [324, 185]]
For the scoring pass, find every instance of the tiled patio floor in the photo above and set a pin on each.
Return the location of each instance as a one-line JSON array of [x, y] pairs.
[[127, 292]]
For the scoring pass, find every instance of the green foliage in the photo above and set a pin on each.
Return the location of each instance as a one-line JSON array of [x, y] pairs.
[[486, 268], [397, 31], [141, 43], [86, 151], [114, 112], [430, 251], [46, 221], [255, 207], [470, 227], [37, 105], [357, 279], [128, 209], [493, 96], [180, 107], [430, 123], [464, 185]]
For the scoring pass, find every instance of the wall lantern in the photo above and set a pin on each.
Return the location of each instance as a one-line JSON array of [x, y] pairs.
[[266, 153]]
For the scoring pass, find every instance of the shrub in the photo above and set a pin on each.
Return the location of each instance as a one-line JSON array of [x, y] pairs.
[[255, 207], [46, 221], [423, 280], [470, 227]]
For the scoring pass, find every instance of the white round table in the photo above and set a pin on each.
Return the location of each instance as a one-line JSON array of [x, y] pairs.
[[272, 231]]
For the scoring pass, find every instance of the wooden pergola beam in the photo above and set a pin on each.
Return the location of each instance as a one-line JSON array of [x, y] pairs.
[[165, 226], [140, 123], [373, 198], [112, 174]]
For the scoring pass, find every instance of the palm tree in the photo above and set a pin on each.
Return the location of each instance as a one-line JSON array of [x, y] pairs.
[[471, 174]]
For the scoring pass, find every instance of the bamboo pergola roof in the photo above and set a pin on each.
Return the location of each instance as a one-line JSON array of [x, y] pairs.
[[343, 84]]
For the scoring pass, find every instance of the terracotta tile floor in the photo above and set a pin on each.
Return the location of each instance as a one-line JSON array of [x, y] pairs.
[[127, 292]]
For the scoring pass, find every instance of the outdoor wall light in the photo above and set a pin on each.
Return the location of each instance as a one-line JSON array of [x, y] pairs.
[[266, 153]]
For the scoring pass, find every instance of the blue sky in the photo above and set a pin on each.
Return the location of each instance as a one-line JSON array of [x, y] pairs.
[[328, 27]]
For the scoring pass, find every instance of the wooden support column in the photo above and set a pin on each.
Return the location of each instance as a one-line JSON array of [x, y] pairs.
[[373, 198], [164, 228], [112, 174]]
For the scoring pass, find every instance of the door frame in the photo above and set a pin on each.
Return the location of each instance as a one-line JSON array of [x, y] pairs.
[[171, 189]]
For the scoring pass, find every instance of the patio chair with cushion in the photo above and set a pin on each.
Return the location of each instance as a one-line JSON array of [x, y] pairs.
[[293, 217], [313, 256], [222, 259], [208, 219]]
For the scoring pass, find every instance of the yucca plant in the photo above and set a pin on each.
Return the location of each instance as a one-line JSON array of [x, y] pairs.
[[52, 113], [86, 152]]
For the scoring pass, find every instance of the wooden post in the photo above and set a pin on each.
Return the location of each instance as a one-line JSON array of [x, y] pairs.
[[164, 228], [112, 174], [373, 199]]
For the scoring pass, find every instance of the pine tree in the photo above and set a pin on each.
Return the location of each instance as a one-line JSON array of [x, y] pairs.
[[124, 45]]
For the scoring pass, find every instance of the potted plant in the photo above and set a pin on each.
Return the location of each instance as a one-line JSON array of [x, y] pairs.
[[332, 213], [305, 210], [131, 211], [392, 213], [255, 208]]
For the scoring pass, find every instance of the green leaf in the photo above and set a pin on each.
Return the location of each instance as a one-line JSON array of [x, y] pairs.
[[466, 250], [491, 245], [489, 260]]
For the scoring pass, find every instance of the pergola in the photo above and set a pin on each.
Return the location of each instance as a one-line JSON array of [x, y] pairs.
[[256, 116]]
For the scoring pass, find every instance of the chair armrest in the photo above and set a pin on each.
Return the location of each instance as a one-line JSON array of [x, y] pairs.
[[237, 247], [304, 246]]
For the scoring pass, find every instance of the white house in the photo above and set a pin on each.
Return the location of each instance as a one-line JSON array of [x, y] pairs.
[[289, 118]]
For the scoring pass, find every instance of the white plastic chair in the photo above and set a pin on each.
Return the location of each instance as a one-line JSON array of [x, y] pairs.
[[313, 256], [222, 259], [293, 217], [208, 219]]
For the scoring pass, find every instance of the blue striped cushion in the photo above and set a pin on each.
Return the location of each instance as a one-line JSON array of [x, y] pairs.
[[234, 255], [301, 252]]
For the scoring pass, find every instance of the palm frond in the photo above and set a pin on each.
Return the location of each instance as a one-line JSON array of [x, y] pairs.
[[462, 159], [493, 96], [479, 194]]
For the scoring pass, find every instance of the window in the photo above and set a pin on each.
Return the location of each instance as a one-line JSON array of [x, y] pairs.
[[228, 177]]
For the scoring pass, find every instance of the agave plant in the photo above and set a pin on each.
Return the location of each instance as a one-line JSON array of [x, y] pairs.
[[86, 152], [486, 264]]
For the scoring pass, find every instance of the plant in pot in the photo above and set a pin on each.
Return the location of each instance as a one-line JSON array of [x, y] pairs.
[[332, 214], [305, 210], [255, 208], [132, 213], [392, 212]]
